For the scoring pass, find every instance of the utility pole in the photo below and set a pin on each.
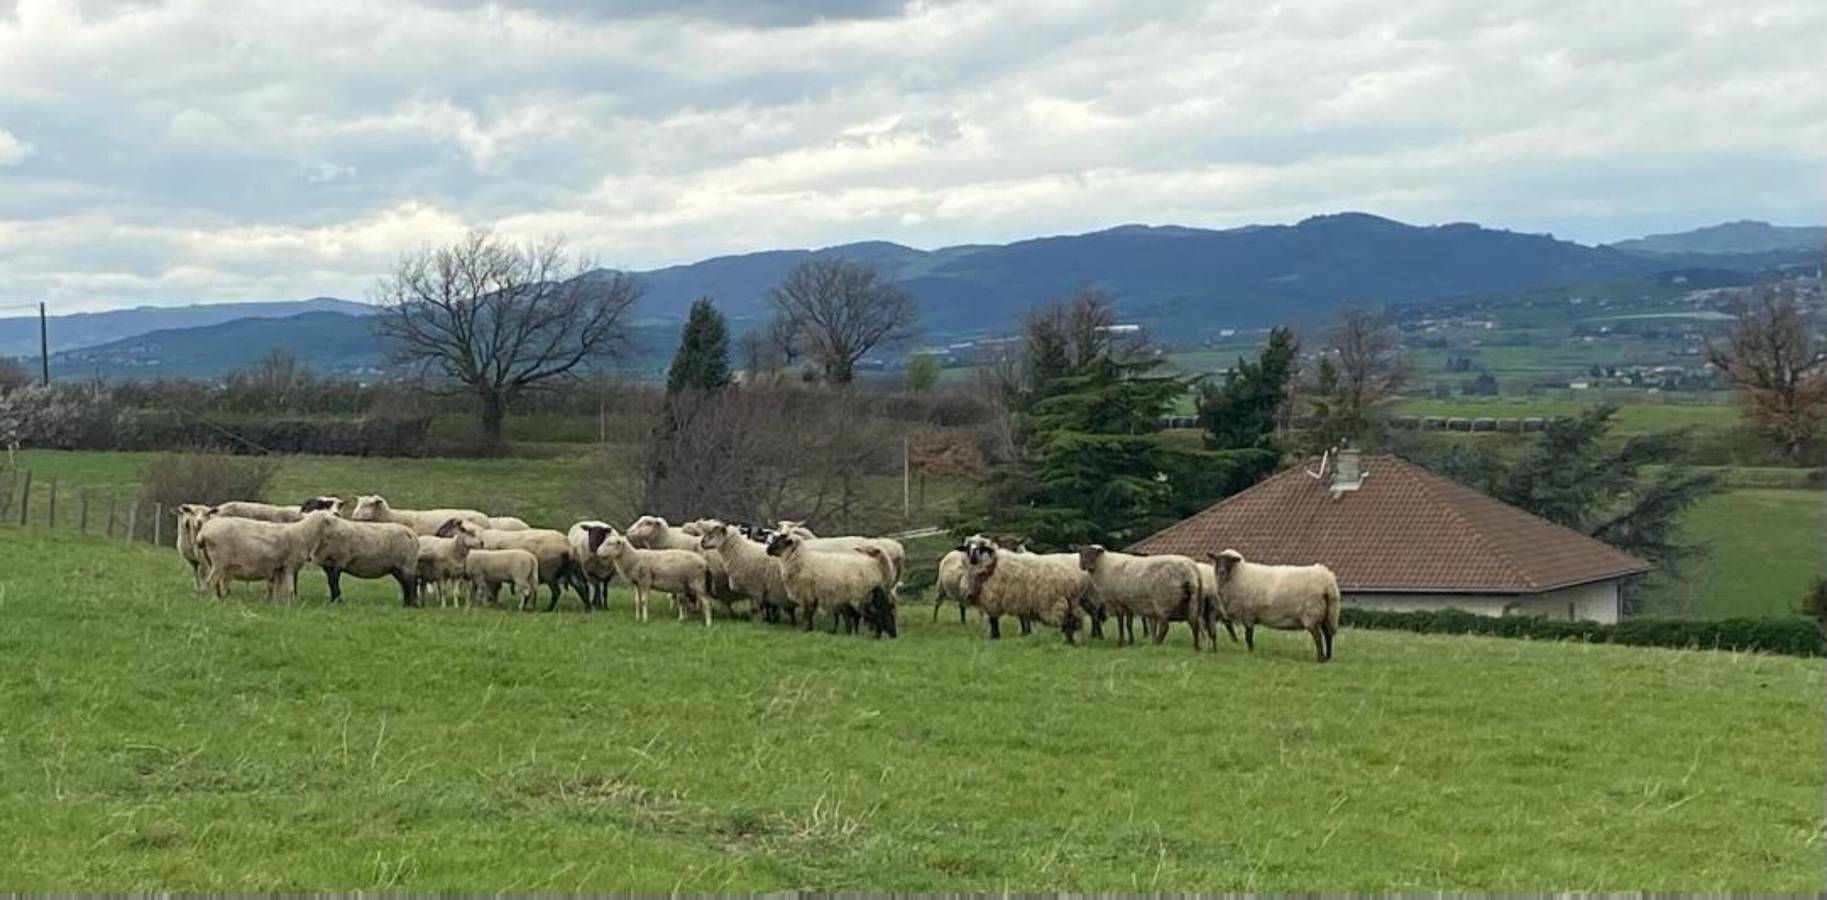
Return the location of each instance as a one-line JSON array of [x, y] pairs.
[[44, 345]]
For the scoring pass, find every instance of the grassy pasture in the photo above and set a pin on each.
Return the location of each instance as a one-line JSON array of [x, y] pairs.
[[155, 739], [1764, 546], [1634, 415]]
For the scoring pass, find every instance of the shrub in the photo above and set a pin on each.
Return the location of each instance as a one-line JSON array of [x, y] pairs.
[[198, 478], [1794, 637]]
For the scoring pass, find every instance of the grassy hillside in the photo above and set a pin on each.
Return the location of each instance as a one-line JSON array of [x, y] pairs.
[[1764, 548], [155, 739]]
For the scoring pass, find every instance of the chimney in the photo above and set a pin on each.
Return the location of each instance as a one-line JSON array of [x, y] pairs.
[[1347, 472]]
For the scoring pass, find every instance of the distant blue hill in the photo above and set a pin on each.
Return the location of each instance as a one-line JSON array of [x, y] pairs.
[[1184, 283]]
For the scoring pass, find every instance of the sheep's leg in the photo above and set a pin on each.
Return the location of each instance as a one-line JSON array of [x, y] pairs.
[[961, 613], [1160, 629], [1330, 633], [335, 577], [704, 604], [1249, 636], [1027, 626], [1319, 643], [995, 626], [1230, 630], [409, 588], [810, 610]]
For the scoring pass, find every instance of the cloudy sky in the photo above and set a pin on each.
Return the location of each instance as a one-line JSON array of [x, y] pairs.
[[185, 151]]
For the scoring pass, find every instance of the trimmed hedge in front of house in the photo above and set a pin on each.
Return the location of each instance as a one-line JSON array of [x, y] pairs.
[[1793, 637]]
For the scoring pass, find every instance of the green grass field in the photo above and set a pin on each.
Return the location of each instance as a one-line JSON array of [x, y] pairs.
[[154, 739], [1764, 548]]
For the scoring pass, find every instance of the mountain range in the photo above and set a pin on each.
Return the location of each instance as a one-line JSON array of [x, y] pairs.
[[1187, 283]]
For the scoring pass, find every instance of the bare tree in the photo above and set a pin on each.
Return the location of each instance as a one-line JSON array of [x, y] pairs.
[[836, 311], [499, 318], [1776, 360], [1367, 367]]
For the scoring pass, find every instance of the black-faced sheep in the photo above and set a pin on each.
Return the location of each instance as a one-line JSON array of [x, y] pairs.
[[752, 573], [1042, 588], [597, 572], [1290, 598], [267, 512]]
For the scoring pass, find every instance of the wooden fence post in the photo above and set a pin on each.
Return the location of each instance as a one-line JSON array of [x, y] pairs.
[[25, 496], [158, 522], [82, 518], [50, 510], [133, 518], [112, 499]]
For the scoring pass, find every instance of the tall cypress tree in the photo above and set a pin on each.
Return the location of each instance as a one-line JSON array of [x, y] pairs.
[[703, 360], [1243, 411]]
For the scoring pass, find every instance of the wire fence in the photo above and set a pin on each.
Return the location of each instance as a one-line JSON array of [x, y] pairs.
[[115, 512]]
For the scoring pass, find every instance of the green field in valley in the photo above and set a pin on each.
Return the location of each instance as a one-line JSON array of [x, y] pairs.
[[155, 739], [1634, 416], [1764, 547]]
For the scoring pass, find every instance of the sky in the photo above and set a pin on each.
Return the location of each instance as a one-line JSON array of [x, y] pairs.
[[183, 151]]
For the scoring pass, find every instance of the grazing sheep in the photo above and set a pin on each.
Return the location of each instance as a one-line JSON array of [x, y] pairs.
[[190, 518], [584, 537], [891, 548], [368, 550], [556, 570], [488, 570], [855, 585], [267, 512], [1284, 597], [1161, 589], [507, 523], [752, 573], [674, 572], [374, 508], [237, 549], [441, 563], [1042, 588]]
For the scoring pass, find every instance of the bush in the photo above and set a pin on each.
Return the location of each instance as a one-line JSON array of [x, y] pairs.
[[1794, 637], [208, 479]]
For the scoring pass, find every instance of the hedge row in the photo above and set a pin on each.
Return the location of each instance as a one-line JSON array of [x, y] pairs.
[[1795, 637], [373, 436]]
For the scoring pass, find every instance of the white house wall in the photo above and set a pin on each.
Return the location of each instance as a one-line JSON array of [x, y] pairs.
[[1595, 602]]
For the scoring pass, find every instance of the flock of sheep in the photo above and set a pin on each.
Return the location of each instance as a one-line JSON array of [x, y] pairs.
[[783, 572]]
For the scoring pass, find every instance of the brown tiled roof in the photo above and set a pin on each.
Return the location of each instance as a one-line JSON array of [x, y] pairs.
[[1403, 529]]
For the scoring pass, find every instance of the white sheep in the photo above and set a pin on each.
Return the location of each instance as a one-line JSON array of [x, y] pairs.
[[584, 537], [507, 523], [1035, 587], [190, 518], [891, 548], [655, 533], [1284, 597], [374, 508], [951, 584], [368, 550], [553, 550], [441, 563], [1161, 589], [854, 585], [751, 572], [488, 570], [1208, 598], [267, 512], [683, 574], [237, 549]]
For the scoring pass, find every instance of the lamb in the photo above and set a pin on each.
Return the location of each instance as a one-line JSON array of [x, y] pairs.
[[1044, 588], [750, 570], [1158, 588], [673, 572], [238, 549], [190, 518], [368, 550], [1284, 597], [374, 508], [654, 533], [855, 586], [441, 562], [267, 512], [488, 570], [552, 549], [584, 537]]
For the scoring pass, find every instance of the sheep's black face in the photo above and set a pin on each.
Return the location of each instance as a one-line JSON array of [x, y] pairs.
[[880, 613], [316, 503], [449, 528], [777, 545], [596, 535]]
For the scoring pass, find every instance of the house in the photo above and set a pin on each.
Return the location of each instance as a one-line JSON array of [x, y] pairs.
[[1402, 538]]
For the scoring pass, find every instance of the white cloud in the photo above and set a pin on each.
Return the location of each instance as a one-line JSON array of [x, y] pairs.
[[182, 150], [13, 151]]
